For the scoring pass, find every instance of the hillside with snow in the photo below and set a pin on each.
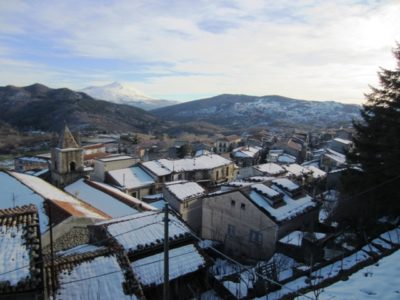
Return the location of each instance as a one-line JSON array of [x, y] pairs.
[[123, 94], [377, 281], [238, 111]]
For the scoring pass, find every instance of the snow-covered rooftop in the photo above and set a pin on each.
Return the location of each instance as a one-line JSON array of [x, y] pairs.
[[131, 178], [237, 183], [21, 189], [289, 210], [316, 172], [182, 261], [336, 156], [19, 249], [14, 193], [164, 167], [343, 141], [115, 158], [32, 159], [14, 255], [144, 230], [286, 184], [159, 204], [66, 201], [297, 170], [263, 189], [138, 204], [246, 152], [99, 199], [84, 281], [293, 238], [185, 190], [286, 159], [270, 168], [80, 249], [260, 178]]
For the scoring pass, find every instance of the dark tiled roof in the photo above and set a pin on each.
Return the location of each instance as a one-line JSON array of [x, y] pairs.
[[19, 229], [91, 262]]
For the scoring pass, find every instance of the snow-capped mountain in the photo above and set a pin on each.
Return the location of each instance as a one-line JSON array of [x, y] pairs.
[[123, 94]]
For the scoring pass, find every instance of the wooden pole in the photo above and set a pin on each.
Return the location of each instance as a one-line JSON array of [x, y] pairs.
[[166, 257], [53, 279]]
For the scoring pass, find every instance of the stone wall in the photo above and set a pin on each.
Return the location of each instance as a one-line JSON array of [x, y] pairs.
[[76, 236]]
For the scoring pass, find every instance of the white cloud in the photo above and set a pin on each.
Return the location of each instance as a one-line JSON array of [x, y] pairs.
[[303, 49]]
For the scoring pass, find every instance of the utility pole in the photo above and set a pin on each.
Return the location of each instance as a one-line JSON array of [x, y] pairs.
[[166, 253], [53, 280]]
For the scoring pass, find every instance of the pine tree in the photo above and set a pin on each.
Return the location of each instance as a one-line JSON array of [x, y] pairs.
[[375, 188]]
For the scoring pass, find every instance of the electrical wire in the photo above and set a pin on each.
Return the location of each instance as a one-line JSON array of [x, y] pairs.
[[98, 242], [248, 268], [137, 266], [199, 239]]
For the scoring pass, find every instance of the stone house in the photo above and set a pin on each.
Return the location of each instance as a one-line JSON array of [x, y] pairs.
[[297, 148], [30, 163], [186, 199], [133, 181], [226, 143], [340, 145], [208, 170], [267, 169], [332, 160], [115, 162], [250, 220], [246, 156]]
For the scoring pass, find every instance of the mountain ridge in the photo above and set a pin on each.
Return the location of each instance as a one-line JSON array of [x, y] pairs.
[[238, 110], [42, 108]]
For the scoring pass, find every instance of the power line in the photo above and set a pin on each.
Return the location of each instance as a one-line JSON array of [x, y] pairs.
[[248, 268], [116, 271], [98, 242], [217, 251], [374, 187]]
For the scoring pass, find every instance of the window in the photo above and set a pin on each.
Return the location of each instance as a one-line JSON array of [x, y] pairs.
[[231, 230], [242, 206], [217, 176], [185, 204], [72, 166], [227, 171], [233, 202], [255, 237]]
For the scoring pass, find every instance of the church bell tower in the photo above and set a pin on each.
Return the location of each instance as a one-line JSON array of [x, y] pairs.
[[66, 160]]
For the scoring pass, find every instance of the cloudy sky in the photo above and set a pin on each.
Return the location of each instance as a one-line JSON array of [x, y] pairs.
[[184, 50]]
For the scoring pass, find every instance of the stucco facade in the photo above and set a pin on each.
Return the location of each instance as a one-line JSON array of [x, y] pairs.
[[190, 208], [242, 227], [101, 166]]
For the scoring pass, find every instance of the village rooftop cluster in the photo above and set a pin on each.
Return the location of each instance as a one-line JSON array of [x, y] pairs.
[[249, 216]]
